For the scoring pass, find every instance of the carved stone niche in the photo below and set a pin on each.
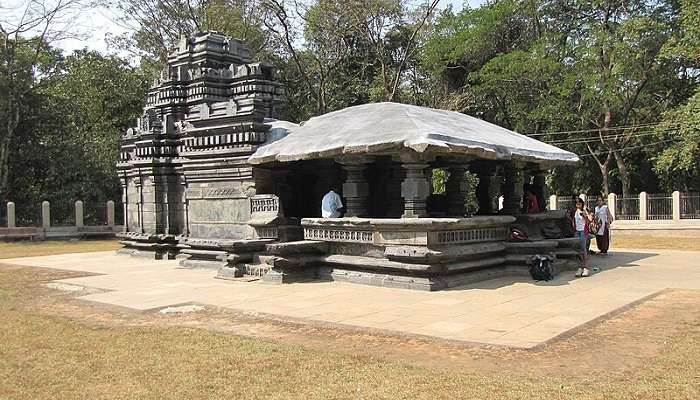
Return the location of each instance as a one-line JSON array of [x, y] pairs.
[[268, 220]]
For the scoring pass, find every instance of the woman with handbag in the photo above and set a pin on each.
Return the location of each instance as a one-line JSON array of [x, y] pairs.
[[602, 234]]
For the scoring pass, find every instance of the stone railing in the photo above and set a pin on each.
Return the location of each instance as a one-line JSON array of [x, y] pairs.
[[47, 227], [408, 231]]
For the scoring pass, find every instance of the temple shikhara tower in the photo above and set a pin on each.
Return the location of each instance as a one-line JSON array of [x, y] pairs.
[[212, 178], [183, 167]]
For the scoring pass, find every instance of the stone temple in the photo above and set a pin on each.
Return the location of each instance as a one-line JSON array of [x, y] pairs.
[[211, 178]]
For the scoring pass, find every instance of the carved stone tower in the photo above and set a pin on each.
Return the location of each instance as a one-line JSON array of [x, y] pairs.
[[184, 168]]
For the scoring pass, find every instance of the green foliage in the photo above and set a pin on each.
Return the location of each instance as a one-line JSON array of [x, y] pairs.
[[68, 139], [679, 162], [439, 180], [533, 66], [582, 66]]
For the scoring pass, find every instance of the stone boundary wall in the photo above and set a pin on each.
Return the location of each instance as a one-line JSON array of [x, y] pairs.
[[46, 230], [675, 214]]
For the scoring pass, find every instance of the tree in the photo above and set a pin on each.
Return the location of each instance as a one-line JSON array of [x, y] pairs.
[[678, 163], [26, 61], [155, 26], [340, 53], [576, 69], [68, 143]]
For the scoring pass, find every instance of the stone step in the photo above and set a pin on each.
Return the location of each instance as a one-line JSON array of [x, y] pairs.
[[264, 260], [298, 247], [567, 253], [376, 263], [475, 264], [256, 270]]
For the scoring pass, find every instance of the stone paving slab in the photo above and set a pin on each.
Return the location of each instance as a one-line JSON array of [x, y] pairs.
[[506, 311]]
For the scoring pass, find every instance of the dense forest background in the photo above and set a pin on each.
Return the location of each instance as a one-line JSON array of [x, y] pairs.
[[615, 81]]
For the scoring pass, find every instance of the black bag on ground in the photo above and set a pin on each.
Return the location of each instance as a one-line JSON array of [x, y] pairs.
[[541, 268]]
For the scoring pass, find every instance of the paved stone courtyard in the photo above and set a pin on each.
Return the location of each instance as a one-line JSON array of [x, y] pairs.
[[508, 311]]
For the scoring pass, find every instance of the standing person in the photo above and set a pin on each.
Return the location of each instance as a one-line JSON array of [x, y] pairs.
[[331, 205], [532, 203], [602, 236], [581, 221]]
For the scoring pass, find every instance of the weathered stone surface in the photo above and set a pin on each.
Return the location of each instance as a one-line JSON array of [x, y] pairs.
[[183, 167], [193, 185], [299, 247], [393, 128], [229, 272]]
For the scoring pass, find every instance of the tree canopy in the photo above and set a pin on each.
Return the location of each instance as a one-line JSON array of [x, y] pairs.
[[614, 80]]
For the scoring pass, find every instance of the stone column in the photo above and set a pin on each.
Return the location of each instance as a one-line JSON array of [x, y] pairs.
[[539, 186], [675, 205], [394, 190], [612, 204], [643, 200], [485, 190], [110, 214], [11, 216], [45, 214], [456, 189], [553, 202], [186, 211], [512, 189], [79, 214], [355, 188], [415, 190], [125, 205]]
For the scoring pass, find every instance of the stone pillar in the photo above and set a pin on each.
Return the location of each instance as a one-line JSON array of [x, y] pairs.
[[512, 189], [79, 214], [11, 216], [488, 182], [110, 214], [186, 211], [415, 190], [394, 190], [612, 204], [456, 189], [539, 186], [675, 205], [643, 200], [125, 205], [355, 188], [553, 202], [45, 214]]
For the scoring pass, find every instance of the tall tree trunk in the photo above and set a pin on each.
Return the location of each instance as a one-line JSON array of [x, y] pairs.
[[5, 142], [604, 168], [624, 173], [606, 180]]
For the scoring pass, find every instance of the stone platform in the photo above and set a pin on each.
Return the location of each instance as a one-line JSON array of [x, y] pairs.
[[509, 311]]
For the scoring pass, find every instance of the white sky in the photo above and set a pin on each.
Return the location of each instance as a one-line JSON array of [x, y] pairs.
[[96, 23]]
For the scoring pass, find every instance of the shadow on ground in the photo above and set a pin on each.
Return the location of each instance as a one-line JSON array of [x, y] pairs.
[[618, 259]]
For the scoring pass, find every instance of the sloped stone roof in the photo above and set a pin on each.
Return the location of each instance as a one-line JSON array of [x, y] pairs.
[[390, 128]]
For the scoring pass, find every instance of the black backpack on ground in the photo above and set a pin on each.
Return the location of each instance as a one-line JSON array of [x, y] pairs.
[[541, 269]]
